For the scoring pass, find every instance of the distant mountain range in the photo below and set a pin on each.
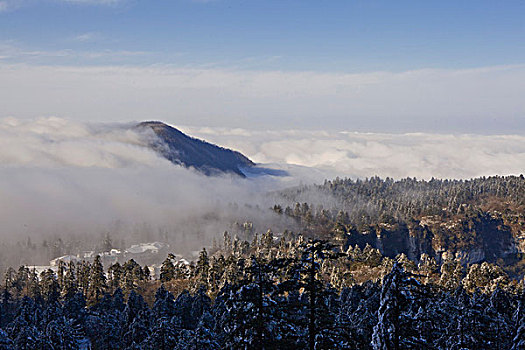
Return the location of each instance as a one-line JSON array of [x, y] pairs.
[[187, 151]]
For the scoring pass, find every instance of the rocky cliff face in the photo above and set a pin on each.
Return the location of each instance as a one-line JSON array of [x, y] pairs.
[[184, 150], [484, 237], [472, 221]]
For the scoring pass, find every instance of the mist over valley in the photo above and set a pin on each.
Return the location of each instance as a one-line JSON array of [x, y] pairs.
[[72, 184]]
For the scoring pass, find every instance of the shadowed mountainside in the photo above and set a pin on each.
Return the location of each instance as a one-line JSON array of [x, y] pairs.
[[187, 151]]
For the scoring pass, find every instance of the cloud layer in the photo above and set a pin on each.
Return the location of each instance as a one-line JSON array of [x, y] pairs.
[[362, 155], [77, 181], [485, 100], [55, 142]]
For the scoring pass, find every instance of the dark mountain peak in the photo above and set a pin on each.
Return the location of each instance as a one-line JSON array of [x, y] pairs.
[[182, 149], [159, 127]]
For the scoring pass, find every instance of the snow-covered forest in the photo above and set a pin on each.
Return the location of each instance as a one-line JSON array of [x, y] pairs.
[[369, 264], [266, 294]]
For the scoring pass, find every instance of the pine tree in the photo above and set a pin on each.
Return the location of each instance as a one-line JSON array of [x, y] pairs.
[[74, 309], [164, 304], [20, 281], [97, 282], [202, 268], [183, 313], [5, 342], [167, 271], [215, 274], [132, 275], [69, 286], [83, 276], [164, 335], [137, 320], [49, 285], [23, 329], [60, 334], [115, 276], [33, 286], [518, 341], [267, 242], [61, 271], [320, 319], [462, 329], [203, 337], [398, 317], [250, 317]]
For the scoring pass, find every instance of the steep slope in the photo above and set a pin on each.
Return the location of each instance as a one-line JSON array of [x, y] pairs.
[[182, 149]]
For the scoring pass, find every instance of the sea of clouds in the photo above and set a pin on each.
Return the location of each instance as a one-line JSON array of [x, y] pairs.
[[357, 154], [65, 178]]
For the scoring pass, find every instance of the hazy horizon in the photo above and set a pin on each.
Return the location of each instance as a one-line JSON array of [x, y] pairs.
[[433, 67]]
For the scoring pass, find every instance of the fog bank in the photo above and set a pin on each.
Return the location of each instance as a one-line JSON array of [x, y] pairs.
[[78, 182], [355, 154]]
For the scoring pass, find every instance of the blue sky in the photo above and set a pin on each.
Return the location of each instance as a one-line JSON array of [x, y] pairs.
[[350, 36], [336, 41]]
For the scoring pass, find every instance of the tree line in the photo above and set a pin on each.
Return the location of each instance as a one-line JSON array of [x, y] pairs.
[[270, 293]]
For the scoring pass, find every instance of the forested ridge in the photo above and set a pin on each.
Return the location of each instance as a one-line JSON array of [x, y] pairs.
[[371, 264], [473, 221]]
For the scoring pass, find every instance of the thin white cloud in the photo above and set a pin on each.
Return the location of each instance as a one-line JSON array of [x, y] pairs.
[[487, 100], [10, 51], [11, 5], [86, 37], [94, 2]]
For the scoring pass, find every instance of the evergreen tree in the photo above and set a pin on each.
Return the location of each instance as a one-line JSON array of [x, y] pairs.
[[202, 268], [97, 282], [69, 285], [320, 319], [204, 337], [396, 327], [33, 286], [167, 271], [5, 342], [132, 275], [164, 335], [115, 276], [518, 341], [60, 334], [49, 285], [83, 276], [164, 306], [137, 321], [250, 318]]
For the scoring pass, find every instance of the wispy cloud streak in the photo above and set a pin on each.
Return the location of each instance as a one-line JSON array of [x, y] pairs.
[[12, 5]]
